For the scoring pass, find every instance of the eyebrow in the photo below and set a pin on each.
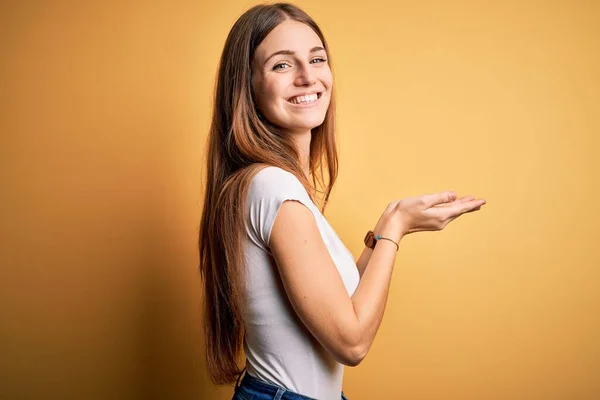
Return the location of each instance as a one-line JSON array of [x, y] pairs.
[[289, 52]]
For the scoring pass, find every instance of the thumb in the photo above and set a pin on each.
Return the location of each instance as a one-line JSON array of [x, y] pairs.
[[431, 200]]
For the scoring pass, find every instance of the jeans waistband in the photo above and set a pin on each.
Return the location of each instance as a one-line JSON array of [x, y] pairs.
[[265, 387]]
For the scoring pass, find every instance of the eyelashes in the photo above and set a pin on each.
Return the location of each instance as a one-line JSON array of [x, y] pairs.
[[276, 66]]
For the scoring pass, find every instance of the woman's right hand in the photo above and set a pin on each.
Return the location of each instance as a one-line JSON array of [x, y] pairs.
[[429, 212]]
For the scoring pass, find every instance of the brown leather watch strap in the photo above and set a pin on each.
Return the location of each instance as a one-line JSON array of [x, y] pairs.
[[370, 240]]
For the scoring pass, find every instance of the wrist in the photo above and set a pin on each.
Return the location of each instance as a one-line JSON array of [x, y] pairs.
[[392, 230]]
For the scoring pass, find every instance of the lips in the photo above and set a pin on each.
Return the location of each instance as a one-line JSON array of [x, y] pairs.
[[304, 98]]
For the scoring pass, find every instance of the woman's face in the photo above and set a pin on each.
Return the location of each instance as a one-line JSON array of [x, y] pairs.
[[291, 78]]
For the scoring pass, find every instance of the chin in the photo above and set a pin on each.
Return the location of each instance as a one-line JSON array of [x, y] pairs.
[[308, 123], [302, 128], [300, 123]]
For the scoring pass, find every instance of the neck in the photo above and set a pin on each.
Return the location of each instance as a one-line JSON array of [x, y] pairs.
[[303, 144]]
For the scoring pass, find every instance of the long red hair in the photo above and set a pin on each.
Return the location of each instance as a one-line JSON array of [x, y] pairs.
[[240, 143]]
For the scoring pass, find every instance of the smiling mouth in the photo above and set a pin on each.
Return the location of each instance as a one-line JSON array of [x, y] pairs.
[[308, 99]]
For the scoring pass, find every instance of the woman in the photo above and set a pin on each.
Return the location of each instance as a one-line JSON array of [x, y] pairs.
[[278, 281]]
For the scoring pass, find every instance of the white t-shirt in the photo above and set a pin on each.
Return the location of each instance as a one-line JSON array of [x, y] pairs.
[[279, 348]]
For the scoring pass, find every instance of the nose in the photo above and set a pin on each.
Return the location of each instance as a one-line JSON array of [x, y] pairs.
[[305, 76]]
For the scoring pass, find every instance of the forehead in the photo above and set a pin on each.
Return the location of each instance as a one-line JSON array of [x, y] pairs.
[[289, 35]]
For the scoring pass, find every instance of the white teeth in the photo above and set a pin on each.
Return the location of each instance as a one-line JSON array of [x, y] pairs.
[[304, 99]]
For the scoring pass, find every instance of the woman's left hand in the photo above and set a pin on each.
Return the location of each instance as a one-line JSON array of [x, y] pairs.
[[390, 207]]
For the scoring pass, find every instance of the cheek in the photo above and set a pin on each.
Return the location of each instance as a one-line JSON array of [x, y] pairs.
[[327, 78], [264, 93], [273, 95]]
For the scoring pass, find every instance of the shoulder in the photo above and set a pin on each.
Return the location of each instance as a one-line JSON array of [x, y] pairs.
[[271, 181], [269, 189], [270, 173]]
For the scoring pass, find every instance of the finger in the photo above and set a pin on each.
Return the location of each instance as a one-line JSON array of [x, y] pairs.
[[451, 215], [469, 206], [457, 201], [454, 211], [434, 199]]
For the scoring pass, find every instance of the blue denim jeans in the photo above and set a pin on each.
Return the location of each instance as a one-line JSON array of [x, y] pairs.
[[252, 388]]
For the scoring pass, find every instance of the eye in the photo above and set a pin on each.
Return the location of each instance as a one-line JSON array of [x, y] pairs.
[[285, 65], [280, 64]]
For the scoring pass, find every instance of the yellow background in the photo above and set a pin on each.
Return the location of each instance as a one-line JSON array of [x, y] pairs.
[[105, 109]]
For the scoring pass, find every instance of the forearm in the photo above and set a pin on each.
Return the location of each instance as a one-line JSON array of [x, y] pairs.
[[365, 256], [363, 260], [371, 295]]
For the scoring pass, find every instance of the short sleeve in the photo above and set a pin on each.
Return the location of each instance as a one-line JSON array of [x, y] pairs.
[[269, 188]]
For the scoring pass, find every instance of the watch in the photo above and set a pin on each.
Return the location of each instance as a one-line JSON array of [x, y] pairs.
[[370, 240]]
